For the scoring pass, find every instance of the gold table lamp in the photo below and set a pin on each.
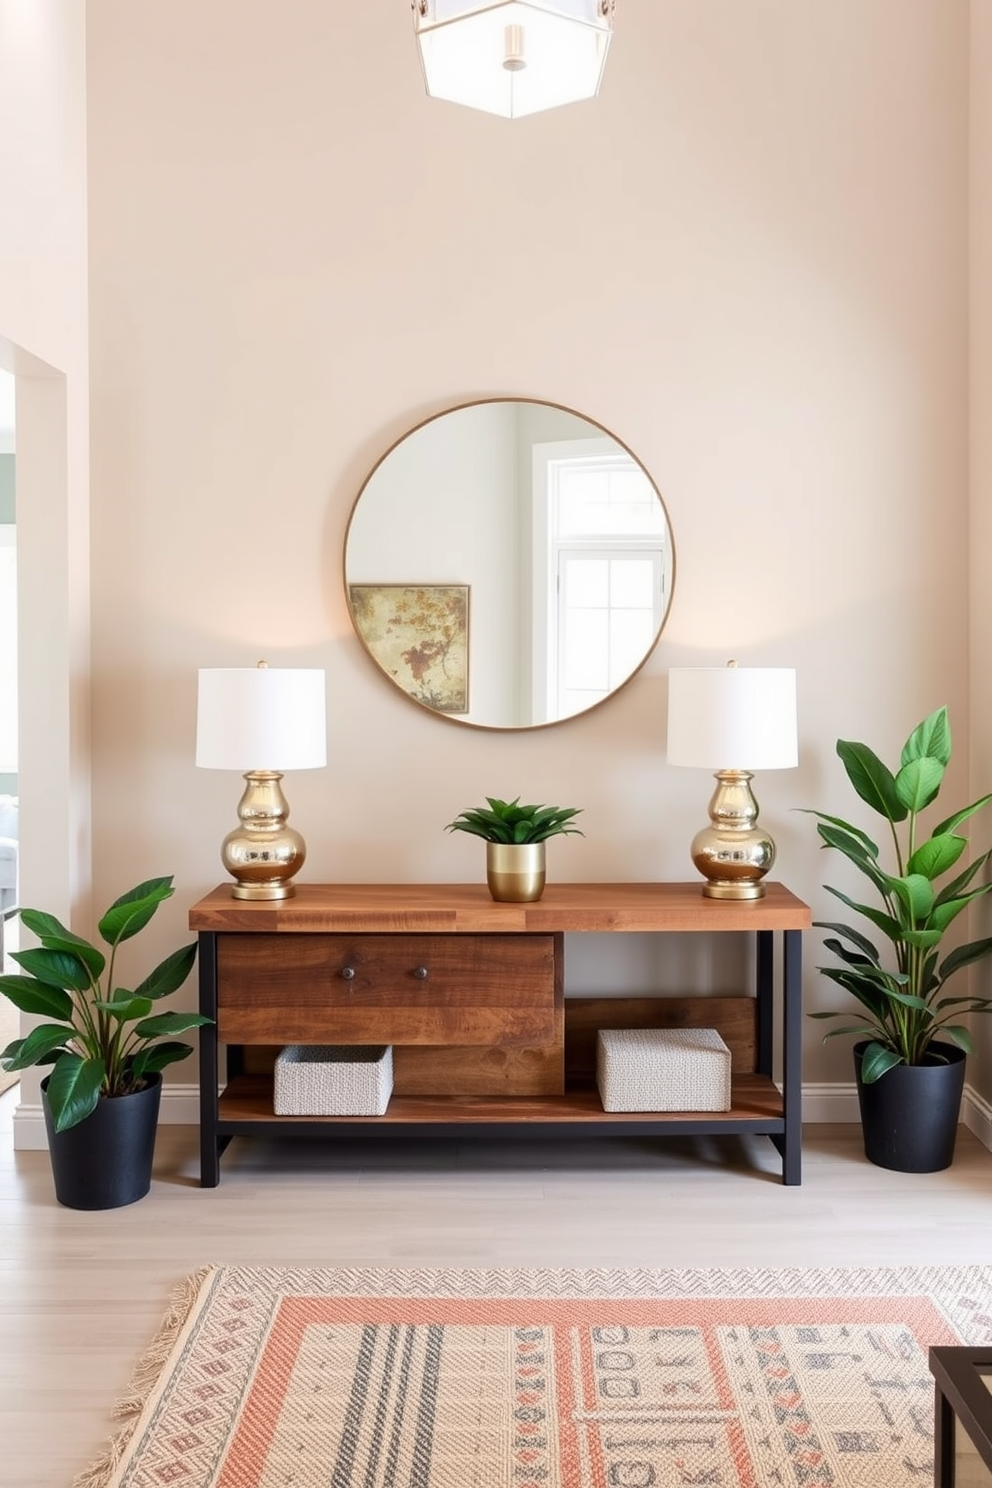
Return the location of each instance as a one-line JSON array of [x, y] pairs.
[[247, 718], [733, 720]]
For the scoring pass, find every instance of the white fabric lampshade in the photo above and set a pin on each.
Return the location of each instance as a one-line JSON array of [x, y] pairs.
[[732, 718], [261, 718], [465, 46]]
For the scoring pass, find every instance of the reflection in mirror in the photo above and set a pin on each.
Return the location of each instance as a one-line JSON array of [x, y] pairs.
[[509, 564]]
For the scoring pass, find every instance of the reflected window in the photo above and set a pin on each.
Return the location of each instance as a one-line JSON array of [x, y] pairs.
[[604, 557]]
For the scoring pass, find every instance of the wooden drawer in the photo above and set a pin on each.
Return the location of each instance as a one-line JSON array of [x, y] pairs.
[[389, 989]]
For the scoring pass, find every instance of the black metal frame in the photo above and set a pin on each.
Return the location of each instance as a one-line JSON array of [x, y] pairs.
[[785, 1131], [960, 1398]]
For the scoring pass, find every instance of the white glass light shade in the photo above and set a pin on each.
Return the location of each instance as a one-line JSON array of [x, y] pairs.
[[513, 57], [261, 718], [732, 718]]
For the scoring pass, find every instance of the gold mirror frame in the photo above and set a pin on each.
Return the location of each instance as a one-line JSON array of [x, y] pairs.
[[424, 617]]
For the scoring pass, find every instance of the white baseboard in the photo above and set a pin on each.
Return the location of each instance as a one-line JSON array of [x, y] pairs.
[[839, 1103], [826, 1103], [180, 1107], [976, 1113], [830, 1104]]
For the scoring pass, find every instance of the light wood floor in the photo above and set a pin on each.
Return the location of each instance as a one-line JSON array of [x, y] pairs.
[[82, 1293]]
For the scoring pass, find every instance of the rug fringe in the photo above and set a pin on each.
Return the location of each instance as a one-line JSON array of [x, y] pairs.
[[144, 1377]]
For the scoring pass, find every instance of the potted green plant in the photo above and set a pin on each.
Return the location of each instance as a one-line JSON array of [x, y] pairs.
[[515, 838], [106, 1047], [909, 1061]]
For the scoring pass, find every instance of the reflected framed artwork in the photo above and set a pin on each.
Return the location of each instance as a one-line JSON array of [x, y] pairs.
[[418, 635]]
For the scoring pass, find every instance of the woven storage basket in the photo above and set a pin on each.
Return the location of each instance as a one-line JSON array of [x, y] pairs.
[[662, 1069], [333, 1080]]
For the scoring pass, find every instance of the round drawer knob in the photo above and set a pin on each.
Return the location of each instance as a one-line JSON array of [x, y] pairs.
[[348, 973], [420, 972]]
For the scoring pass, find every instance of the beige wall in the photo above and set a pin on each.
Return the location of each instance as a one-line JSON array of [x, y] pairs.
[[748, 258], [980, 538]]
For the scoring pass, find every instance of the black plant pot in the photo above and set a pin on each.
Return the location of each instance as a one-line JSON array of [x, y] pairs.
[[106, 1161], [909, 1117]]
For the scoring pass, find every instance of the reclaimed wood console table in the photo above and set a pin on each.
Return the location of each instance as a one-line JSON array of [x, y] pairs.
[[469, 993]]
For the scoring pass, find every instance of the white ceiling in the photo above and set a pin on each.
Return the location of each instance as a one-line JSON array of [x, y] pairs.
[[6, 412]]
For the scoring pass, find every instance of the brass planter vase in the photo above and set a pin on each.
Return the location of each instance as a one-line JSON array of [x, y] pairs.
[[515, 872]]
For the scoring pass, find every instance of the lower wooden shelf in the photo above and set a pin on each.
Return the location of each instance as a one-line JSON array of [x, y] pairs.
[[756, 1106]]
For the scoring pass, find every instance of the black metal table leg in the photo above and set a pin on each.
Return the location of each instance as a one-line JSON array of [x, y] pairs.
[[766, 1000], [792, 1057], [943, 1441], [209, 1146]]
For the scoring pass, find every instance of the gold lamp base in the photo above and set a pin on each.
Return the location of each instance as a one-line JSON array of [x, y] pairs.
[[263, 854], [733, 853]]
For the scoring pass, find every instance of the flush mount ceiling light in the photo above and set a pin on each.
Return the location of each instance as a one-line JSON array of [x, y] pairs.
[[513, 57]]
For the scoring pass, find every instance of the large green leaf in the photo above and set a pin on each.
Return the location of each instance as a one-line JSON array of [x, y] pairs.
[[132, 911], [859, 1029], [908, 999], [914, 893], [964, 955], [167, 1023], [959, 1035], [867, 972], [963, 815], [958, 884], [157, 1056], [855, 852], [55, 937], [853, 958], [851, 844], [885, 922], [931, 737], [127, 1008], [946, 910], [872, 780], [924, 940], [55, 968], [856, 937], [37, 1046], [919, 782], [35, 997], [845, 826], [927, 980], [870, 996], [971, 1004], [74, 1089], [876, 1060], [169, 976], [937, 855]]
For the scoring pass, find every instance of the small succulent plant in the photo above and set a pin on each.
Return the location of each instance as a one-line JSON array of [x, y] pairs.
[[509, 822]]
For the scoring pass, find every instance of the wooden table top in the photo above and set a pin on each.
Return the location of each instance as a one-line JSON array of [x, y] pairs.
[[469, 909]]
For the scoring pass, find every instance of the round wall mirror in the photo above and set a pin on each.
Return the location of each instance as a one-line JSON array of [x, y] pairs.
[[509, 564]]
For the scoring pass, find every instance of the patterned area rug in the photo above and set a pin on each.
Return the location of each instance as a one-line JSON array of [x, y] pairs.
[[273, 1378]]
